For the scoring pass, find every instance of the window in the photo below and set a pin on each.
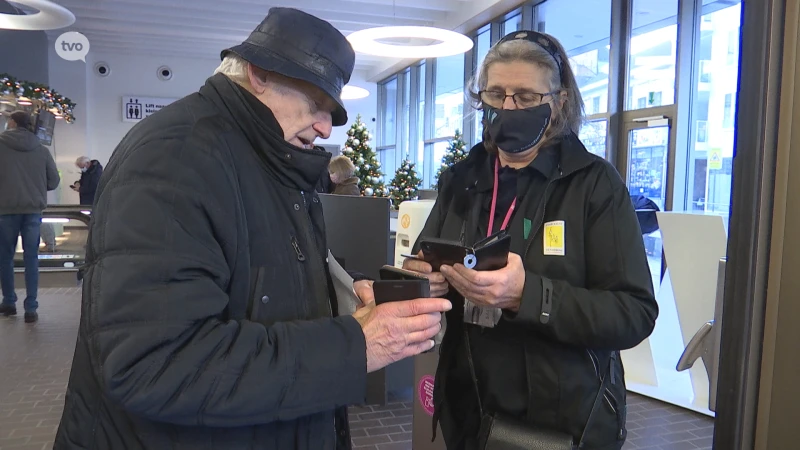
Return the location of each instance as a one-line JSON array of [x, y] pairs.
[[653, 52], [388, 112], [449, 96], [482, 45], [588, 47], [406, 118], [593, 136], [387, 143], [512, 24], [421, 118], [710, 153], [727, 112]]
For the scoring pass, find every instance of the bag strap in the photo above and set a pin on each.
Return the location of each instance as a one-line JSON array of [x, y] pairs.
[[597, 400]]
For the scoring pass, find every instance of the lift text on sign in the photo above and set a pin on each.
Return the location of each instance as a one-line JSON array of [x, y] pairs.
[[136, 108]]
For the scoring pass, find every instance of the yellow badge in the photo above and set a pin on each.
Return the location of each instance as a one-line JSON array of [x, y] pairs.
[[554, 238]]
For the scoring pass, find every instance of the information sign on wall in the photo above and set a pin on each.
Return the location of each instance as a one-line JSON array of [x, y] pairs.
[[136, 108]]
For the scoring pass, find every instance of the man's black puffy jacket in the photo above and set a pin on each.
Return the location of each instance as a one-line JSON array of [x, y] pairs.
[[89, 182], [543, 364], [206, 320]]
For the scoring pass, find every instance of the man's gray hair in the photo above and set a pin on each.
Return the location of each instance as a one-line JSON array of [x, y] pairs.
[[82, 160], [234, 67]]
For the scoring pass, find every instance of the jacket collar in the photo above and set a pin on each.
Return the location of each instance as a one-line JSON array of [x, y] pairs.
[[559, 160], [293, 166]]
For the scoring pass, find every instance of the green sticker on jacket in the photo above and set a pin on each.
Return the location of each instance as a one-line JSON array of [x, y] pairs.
[[527, 228]]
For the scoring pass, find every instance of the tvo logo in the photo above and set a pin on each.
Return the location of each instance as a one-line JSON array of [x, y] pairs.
[[72, 46]]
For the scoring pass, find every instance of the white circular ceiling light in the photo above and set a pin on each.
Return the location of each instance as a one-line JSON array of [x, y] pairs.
[[353, 93], [49, 16], [449, 42]]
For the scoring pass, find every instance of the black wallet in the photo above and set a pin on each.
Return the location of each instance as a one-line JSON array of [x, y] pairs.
[[488, 254]]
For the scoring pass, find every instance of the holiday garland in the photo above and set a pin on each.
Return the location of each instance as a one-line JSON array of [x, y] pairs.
[[35, 92]]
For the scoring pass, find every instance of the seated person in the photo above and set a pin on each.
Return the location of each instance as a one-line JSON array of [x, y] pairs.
[[343, 176]]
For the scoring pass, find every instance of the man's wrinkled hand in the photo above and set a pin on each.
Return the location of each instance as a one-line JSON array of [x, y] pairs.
[[364, 292], [398, 330]]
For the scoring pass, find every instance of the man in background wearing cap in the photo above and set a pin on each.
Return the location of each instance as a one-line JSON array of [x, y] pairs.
[[209, 319], [27, 172]]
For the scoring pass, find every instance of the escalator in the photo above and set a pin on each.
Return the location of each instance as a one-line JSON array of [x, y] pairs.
[[62, 251]]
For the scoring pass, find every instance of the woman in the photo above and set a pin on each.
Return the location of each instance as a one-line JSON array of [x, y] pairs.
[[343, 177], [577, 287]]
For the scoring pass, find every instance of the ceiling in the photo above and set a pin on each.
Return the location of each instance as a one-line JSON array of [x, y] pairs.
[[201, 28]]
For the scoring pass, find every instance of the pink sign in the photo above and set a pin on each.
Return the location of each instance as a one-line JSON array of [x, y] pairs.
[[426, 394]]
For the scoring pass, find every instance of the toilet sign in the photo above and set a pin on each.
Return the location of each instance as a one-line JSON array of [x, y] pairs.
[[136, 108], [715, 159]]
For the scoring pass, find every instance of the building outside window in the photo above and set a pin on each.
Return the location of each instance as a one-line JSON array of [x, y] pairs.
[[449, 108], [483, 42]]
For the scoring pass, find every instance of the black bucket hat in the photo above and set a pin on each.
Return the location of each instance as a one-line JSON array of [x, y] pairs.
[[300, 46]]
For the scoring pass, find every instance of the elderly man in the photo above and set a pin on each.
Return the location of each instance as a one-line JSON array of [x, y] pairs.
[[91, 171], [209, 318]]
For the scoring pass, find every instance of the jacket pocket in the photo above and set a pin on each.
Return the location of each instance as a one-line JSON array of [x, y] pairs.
[[258, 274], [274, 295]]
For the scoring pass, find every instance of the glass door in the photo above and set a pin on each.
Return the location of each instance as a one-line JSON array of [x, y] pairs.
[[649, 145]]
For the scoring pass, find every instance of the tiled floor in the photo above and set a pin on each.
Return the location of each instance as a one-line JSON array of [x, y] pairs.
[[35, 361]]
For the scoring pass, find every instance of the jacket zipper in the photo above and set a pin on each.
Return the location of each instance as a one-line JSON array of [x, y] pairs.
[[300, 256], [312, 236], [595, 362]]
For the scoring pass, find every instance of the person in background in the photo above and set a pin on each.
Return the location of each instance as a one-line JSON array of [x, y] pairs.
[[210, 319], [542, 350], [27, 172], [91, 171], [342, 173]]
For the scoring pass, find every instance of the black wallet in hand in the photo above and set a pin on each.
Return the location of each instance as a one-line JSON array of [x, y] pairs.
[[488, 254]]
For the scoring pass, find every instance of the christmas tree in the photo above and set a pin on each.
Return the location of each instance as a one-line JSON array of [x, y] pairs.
[[456, 152], [405, 184], [368, 169]]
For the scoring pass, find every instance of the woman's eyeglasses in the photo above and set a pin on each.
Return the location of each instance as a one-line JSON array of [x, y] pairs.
[[496, 99]]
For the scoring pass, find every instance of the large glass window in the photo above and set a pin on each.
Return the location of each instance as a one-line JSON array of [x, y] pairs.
[[389, 112], [653, 52], [483, 42], [587, 47], [593, 135], [512, 24], [421, 118], [406, 119], [387, 144], [449, 93], [714, 109]]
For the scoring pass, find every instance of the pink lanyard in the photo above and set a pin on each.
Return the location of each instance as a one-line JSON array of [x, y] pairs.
[[494, 202]]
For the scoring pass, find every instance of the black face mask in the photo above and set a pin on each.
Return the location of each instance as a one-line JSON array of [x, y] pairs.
[[517, 130]]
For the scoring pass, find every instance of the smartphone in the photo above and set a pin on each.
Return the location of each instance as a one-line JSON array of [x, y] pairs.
[[395, 273], [400, 290]]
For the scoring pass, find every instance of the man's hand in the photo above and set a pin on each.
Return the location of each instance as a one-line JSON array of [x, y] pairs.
[[364, 292], [398, 330], [439, 286], [499, 289]]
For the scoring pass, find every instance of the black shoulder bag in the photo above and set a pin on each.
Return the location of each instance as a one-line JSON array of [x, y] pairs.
[[504, 433]]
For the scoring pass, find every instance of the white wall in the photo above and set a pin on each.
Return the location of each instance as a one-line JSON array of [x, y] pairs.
[[99, 127]]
